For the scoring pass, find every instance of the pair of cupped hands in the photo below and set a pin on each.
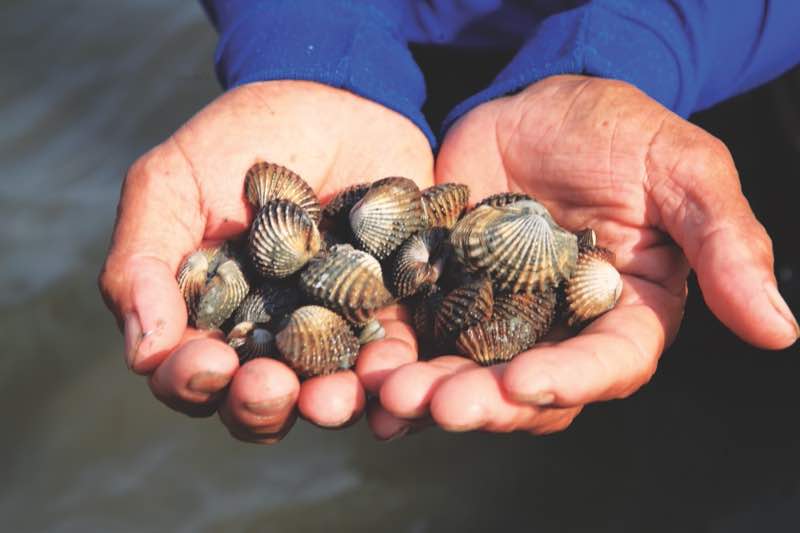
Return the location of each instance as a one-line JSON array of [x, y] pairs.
[[663, 194]]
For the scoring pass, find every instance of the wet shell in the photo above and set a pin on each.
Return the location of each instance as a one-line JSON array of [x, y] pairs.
[[268, 181], [419, 262], [348, 281], [266, 302], [539, 310], [594, 288], [587, 238], [282, 239], [518, 245], [340, 205], [317, 341], [463, 307], [192, 277], [251, 341], [495, 341], [444, 204], [503, 198], [389, 213], [221, 296]]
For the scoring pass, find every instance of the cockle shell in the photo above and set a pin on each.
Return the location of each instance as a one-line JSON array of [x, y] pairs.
[[539, 310], [389, 213], [518, 245], [444, 204], [423, 318], [495, 341], [340, 205], [250, 341], [587, 238], [594, 288], [503, 198], [221, 296], [266, 302], [348, 281], [464, 307], [268, 181], [420, 261], [193, 275], [282, 239], [317, 341]]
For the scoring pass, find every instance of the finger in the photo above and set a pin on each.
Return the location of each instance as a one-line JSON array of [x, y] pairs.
[[256, 437], [261, 397], [379, 358], [386, 426], [695, 189], [407, 392], [331, 401]]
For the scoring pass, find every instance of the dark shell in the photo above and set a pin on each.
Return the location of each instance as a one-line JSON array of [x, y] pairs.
[[503, 198], [251, 341], [282, 239], [221, 296], [423, 318], [594, 288], [268, 301], [317, 341], [445, 203], [420, 261], [464, 307], [268, 181], [389, 213], [587, 238], [539, 310], [495, 341], [340, 205]]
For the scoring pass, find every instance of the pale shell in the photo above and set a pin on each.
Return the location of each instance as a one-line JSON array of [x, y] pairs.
[[419, 262], [268, 181], [594, 288], [221, 296], [251, 341], [444, 204], [282, 239]]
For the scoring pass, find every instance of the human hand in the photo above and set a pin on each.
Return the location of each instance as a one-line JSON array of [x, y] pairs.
[[658, 191], [190, 190]]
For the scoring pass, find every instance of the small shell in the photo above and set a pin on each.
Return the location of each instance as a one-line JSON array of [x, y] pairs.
[[587, 238], [373, 331], [251, 341], [283, 238], [419, 262], [539, 310], [268, 181], [348, 281], [503, 198], [495, 341], [221, 296], [445, 203], [389, 213], [317, 341], [594, 288], [266, 302], [463, 307]]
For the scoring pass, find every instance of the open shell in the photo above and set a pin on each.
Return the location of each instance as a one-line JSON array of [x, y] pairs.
[[317, 341], [594, 288], [495, 341], [268, 181], [463, 307], [444, 204], [539, 310], [282, 239], [250, 341], [419, 262], [221, 296]]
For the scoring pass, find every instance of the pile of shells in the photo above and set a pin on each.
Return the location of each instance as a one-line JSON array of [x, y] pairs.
[[306, 282]]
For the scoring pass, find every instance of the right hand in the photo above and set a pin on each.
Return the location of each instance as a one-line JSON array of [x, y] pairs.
[[190, 189]]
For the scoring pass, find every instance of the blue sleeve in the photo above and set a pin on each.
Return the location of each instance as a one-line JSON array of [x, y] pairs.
[[686, 54], [358, 45]]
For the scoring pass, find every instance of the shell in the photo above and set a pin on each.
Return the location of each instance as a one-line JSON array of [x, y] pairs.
[[317, 341], [373, 331], [594, 288], [266, 302], [503, 198], [348, 281], [251, 341], [495, 341], [192, 277], [539, 310], [587, 238], [518, 245], [221, 296], [444, 204], [340, 205], [463, 307], [268, 181], [282, 239], [419, 262], [425, 309], [389, 213]]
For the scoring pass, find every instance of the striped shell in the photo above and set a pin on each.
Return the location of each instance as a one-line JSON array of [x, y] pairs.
[[594, 288], [341, 204], [266, 302], [539, 310], [317, 341], [495, 341], [444, 204], [419, 262], [221, 296], [282, 239], [268, 181], [251, 341], [348, 281], [463, 307], [503, 198], [389, 213], [372, 331], [587, 238], [193, 275]]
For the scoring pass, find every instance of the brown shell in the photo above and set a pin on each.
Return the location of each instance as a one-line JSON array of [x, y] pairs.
[[419, 262], [282, 239], [340, 205], [594, 288], [464, 307], [221, 296], [389, 213], [317, 341], [267, 301], [251, 341], [268, 181], [495, 341], [503, 198], [423, 317], [539, 310], [192, 277], [445, 203], [587, 238], [348, 281]]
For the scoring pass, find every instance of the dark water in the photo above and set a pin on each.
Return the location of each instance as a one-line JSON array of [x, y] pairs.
[[86, 86]]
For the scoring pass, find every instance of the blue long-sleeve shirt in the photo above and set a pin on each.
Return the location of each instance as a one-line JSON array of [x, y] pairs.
[[686, 54]]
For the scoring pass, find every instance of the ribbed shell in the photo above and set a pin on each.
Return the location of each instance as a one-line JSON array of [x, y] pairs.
[[268, 181], [266, 302], [495, 341], [251, 341], [444, 204], [192, 277], [587, 238], [425, 309], [317, 341], [341, 204], [419, 262], [503, 198], [539, 310], [221, 296], [348, 281], [516, 245], [463, 307], [282, 239], [389, 213], [595, 286]]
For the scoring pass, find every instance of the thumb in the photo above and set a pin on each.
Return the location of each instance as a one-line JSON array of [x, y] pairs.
[[699, 202]]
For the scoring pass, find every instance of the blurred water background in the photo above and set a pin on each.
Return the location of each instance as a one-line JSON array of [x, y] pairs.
[[87, 86]]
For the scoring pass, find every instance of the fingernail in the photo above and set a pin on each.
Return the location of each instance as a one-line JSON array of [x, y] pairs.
[[271, 406], [133, 338], [207, 382], [399, 434], [543, 398], [781, 307]]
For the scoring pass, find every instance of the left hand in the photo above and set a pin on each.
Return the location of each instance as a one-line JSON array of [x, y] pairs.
[[658, 191]]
